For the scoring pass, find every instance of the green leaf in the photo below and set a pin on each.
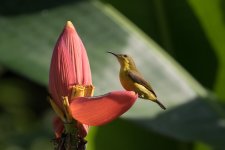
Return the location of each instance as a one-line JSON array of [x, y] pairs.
[[211, 16], [177, 28], [28, 40], [122, 135]]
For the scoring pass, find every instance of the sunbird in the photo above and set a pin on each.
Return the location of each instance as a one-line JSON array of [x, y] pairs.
[[132, 80]]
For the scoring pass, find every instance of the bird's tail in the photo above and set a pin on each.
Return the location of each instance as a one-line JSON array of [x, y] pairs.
[[160, 104]]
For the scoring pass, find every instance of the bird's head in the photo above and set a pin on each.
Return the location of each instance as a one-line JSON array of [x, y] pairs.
[[124, 60]]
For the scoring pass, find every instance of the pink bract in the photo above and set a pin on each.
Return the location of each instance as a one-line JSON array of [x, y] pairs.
[[70, 68]]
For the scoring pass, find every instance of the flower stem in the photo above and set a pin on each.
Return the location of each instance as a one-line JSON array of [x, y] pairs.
[[71, 136], [69, 139]]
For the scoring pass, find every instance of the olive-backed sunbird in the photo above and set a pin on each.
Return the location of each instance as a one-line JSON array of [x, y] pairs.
[[132, 80]]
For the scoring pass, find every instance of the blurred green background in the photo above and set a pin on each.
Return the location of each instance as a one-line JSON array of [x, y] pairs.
[[178, 45]]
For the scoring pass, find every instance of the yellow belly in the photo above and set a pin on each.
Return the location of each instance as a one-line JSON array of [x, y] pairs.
[[130, 85], [126, 82]]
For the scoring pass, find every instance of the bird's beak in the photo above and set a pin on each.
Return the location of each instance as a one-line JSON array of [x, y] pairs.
[[113, 54]]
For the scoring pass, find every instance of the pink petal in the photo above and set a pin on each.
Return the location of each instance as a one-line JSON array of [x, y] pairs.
[[58, 127], [82, 129], [87, 80], [95, 111], [69, 65], [80, 61]]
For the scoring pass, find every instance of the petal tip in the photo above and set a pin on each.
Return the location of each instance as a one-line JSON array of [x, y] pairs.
[[69, 24], [132, 93]]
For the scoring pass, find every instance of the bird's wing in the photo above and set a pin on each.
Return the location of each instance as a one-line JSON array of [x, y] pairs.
[[136, 77]]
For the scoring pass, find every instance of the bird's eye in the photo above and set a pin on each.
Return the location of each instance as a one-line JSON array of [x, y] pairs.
[[125, 55]]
